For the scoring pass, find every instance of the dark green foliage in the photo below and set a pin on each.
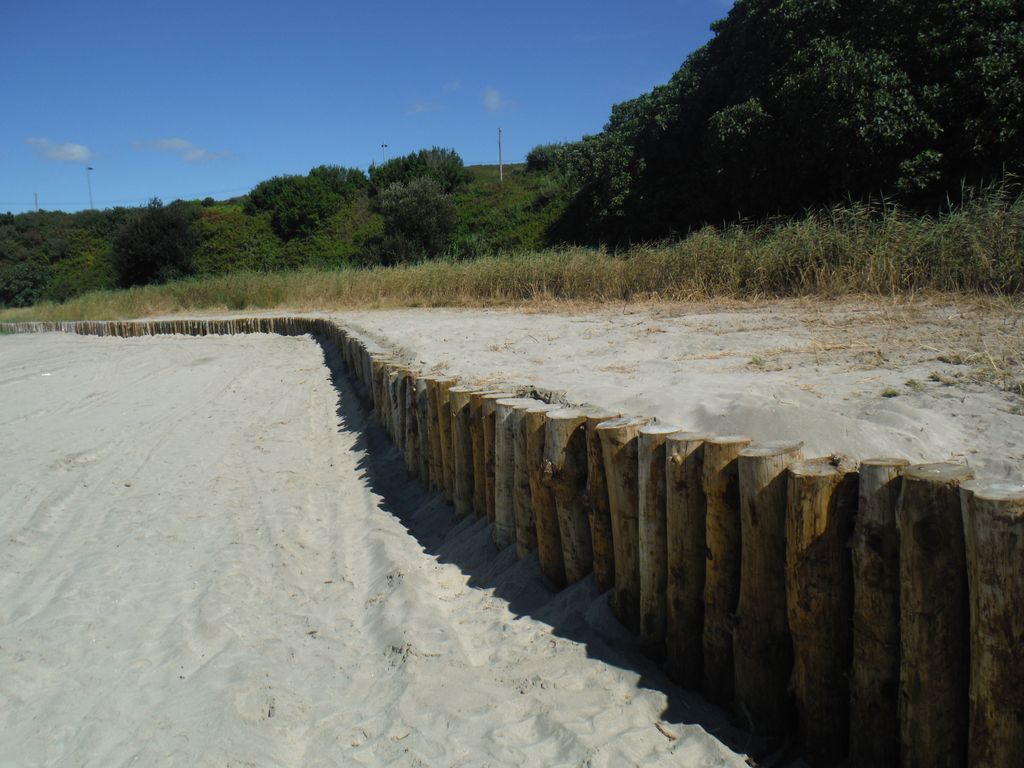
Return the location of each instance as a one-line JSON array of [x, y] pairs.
[[298, 205], [23, 284], [803, 103], [545, 158], [156, 244], [419, 219], [444, 166]]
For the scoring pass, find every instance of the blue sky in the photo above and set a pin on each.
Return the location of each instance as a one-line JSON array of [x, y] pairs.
[[186, 99]]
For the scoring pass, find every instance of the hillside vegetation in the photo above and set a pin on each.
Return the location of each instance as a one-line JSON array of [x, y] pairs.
[[811, 145]]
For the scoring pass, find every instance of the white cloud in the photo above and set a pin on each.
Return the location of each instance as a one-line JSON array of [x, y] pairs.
[[184, 148], [494, 101], [424, 106], [452, 85], [66, 152]]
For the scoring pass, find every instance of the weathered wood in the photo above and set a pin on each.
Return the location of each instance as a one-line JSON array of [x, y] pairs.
[[377, 363], [488, 406], [722, 571], [597, 502], [444, 432], [565, 467], [875, 668], [423, 432], [434, 435], [652, 536], [462, 448], [819, 582], [685, 521], [411, 440], [476, 436], [619, 438], [762, 648], [933, 617], [531, 499], [505, 424], [993, 515]]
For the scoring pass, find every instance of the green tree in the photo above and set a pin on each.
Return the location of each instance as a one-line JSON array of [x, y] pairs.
[[444, 166], [156, 244], [23, 284], [419, 219], [298, 205], [798, 103]]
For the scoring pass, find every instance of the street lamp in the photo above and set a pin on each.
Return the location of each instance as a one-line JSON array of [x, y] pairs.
[[383, 157], [88, 180]]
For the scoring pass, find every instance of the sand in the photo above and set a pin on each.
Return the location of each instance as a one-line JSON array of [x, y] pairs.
[[208, 557], [926, 381]]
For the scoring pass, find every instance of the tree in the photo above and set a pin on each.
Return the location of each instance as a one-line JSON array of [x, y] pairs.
[[156, 244], [805, 103], [298, 205], [23, 284], [419, 219], [444, 166]]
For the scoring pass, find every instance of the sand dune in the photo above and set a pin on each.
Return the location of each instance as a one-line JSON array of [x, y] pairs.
[[201, 563]]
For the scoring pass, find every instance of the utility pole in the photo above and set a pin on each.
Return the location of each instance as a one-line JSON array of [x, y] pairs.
[[383, 157], [37, 201], [88, 180], [501, 167]]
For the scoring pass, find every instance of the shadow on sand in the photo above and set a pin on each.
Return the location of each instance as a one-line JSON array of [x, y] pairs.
[[578, 613]]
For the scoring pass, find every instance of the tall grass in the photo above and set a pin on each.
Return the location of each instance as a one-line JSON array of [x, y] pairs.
[[853, 249]]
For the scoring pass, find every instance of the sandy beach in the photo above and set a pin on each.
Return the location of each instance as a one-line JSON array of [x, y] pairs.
[[208, 557], [926, 381]]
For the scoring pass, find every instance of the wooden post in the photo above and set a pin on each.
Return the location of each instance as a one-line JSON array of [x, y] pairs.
[[462, 448], [488, 406], [933, 617], [541, 514], [476, 434], [434, 435], [444, 433], [565, 466], [505, 471], [875, 669], [653, 538], [685, 521], [619, 438], [597, 501], [819, 582], [412, 435], [722, 571], [423, 432], [762, 648], [528, 446], [994, 535]]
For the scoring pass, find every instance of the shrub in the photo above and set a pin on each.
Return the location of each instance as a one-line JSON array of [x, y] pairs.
[[23, 284], [444, 166], [228, 240], [156, 244], [421, 214]]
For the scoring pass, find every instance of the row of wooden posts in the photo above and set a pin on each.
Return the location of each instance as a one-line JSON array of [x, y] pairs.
[[873, 609]]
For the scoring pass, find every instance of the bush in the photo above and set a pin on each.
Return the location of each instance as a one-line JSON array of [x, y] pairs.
[[23, 284], [156, 244], [296, 204], [444, 166], [544, 157], [419, 213], [228, 240]]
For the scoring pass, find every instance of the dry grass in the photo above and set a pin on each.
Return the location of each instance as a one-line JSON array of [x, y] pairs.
[[853, 250]]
